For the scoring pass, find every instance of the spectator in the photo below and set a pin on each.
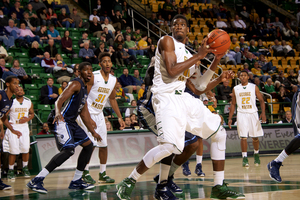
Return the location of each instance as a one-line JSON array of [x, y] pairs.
[[78, 21], [119, 40], [47, 4], [4, 72], [292, 78], [154, 21], [288, 118], [270, 15], [239, 25], [283, 98], [65, 20], [221, 24], [103, 17], [120, 96], [132, 109], [59, 58], [283, 81], [107, 38], [28, 35], [42, 15], [250, 60], [30, 23], [53, 34], [3, 54], [233, 44], [100, 50], [87, 54], [51, 49], [110, 28], [131, 46], [227, 107], [257, 72], [48, 63], [35, 53], [96, 28], [63, 86], [42, 33], [225, 91], [127, 122], [151, 51], [265, 65], [165, 27], [270, 87], [20, 72], [278, 33], [243, 44], [245, 14], [277, 23], [19, 11], [16, 20], [277, 48], [119, 22], [49, 93], [45, 129], [138, 79], [126, 58], [62, 73], [288, 32], [36, 5], [259, 84], [3, 19], [109, 127], [91, 17], [128, 32], [142, 44], [141, 91], [57, 5], [234, 57], [76, 71], [128, 82], [137, 35], [134, 122], [67, 44], [246, 67], [85, 39], [13, 31], [262, 48], [5, 6], [296, 41], [99, 8], [253, 49], [253, 16], [51, 17], [287, 49]]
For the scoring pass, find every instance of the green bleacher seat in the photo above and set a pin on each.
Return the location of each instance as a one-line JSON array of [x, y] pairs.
[[76, 60], [11, 54], [44, 107], [64, 56], [57, 85], [61, 28], [45, 75], [44, 115], [73, 29], [24, 60], [8, 65], [76, 34], [24, 65], [135, 96], [34, 99], [222, 101], [21, 55], [37, 71]]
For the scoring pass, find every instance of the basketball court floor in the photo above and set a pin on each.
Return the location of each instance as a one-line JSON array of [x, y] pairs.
[[254, 182]]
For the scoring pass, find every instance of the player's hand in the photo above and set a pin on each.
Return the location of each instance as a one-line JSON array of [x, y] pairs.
[[227, 75], [204, 48], [263, 118], [97, 136], [94, 125], [122, 123], [23, 120], [220, 56], [18, 133], [229, 123], [58, 117]]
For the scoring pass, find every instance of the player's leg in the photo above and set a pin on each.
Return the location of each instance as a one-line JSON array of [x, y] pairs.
[[199, 156], [255, 142], [11, 165], [255, 131], [86, 173], [3, 186], [11, 144], [243, 131], [244, 146], [24, 150], [25, 158]]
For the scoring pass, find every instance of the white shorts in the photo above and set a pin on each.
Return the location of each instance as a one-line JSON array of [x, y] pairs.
[[176, 114], [14, 145], [248, 124], [101, 129]]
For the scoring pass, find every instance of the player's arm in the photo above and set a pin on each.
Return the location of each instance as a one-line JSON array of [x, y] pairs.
[[115, 107], [1, 129], [9, 126], [30, 116], [87, 120], [166, 48], [72, 88], [232, 108], [262, 104]]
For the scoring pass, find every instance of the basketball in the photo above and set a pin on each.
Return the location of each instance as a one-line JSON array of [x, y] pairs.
[[221, 39]]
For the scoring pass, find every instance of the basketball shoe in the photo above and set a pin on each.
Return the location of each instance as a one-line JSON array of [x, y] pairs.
[[245, 162], [185, 169], [80, 184], [26, 172], [11, 174], [170, 184], [103, 178], [199, 171], [256, 159], [125, 188], [87, 177], [273, 168], [4, 186], [163, 192], [223, 192], [37, 185]]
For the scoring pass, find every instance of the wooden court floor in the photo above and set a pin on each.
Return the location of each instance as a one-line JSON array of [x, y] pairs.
[[254, 182]]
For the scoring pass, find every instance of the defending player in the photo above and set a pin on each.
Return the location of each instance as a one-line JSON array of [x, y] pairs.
[[248, 124], [12, 85], [20, 114], [275, 164], [101, 88], [177, 111], [68, 133]]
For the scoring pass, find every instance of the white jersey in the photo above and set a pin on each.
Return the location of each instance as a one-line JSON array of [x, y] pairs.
[[100, 92], [19, 110], [245, 98], [162, 82]]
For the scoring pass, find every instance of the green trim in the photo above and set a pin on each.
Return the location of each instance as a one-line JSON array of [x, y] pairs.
[[214, 132], [36, 161]]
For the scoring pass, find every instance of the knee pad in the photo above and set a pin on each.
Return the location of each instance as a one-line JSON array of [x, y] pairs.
[[158, 153], [218, 145], [68, 151], [89, 147]]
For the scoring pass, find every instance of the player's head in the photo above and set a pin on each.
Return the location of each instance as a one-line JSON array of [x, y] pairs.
[[85, 71], [20, 92], [127, 121], [179, 26], [244, 76], [12, 83], [105, 62]]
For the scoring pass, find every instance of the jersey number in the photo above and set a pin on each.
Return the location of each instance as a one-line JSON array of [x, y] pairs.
[[100, 98], [245, 100], [20, 115]]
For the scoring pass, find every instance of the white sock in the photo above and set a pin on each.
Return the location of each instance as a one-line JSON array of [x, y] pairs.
[[25, 163], [218, 177], [43, 173], [77, 175], [281, 156], [11, 167], [135, 175], [87, 167], [164, 172], [244, 154], [256, 151], [102, 168], [173, 168], [199, 159]]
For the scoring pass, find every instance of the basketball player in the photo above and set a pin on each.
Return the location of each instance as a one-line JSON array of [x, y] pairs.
[[275, 165], [177, 111], [101, 88], [68, 133], [244, 95], [12, 85], [20, 114]]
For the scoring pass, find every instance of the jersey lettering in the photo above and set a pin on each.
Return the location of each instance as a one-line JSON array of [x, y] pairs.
[[100, 98], [97, 106], [103, 90], [21, 115]]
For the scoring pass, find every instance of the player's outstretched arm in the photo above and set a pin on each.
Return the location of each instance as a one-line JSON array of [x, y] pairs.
[[262, 105], [166, 48], [115, 107], [232, 108]]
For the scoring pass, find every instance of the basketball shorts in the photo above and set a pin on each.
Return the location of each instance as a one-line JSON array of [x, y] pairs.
[[69, 135], [14, 145], [101, 129], [248, 124], [177, 113]]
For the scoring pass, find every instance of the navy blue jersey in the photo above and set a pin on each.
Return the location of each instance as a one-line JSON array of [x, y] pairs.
[[294, 110], [5, 103], [191, 93], [73, 108]]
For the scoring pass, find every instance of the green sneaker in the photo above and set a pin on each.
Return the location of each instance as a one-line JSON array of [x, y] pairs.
[[11, 174], [103, 178], [26, 172], [256, 159], [245, 162], [125, 188], [223, 192], [86, 177]]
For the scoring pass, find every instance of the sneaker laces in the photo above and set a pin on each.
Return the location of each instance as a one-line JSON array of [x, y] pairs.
[[229, 190]]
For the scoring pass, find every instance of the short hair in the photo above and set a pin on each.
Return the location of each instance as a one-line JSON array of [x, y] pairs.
[[63, 9], [143, 84], [50, 78], [51, 25], [180, 16], [9, 79], [102, 55], [244, 72], [11, 20], [84, 32], [144, 35], [83, 64], [25, 13]]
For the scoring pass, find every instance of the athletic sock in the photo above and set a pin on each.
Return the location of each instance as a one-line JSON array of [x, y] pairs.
[[25, 164], [87, 167], [11, 167], [199, 159], [134, 175], [77, 175], [43, 173], [173, 168], [218, 177], [164, 172], [244, 154], [281, 156], [256, 151], [102, 168]]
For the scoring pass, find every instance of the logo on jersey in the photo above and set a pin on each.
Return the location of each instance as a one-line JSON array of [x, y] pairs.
[[83, 101], [186, 52]]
